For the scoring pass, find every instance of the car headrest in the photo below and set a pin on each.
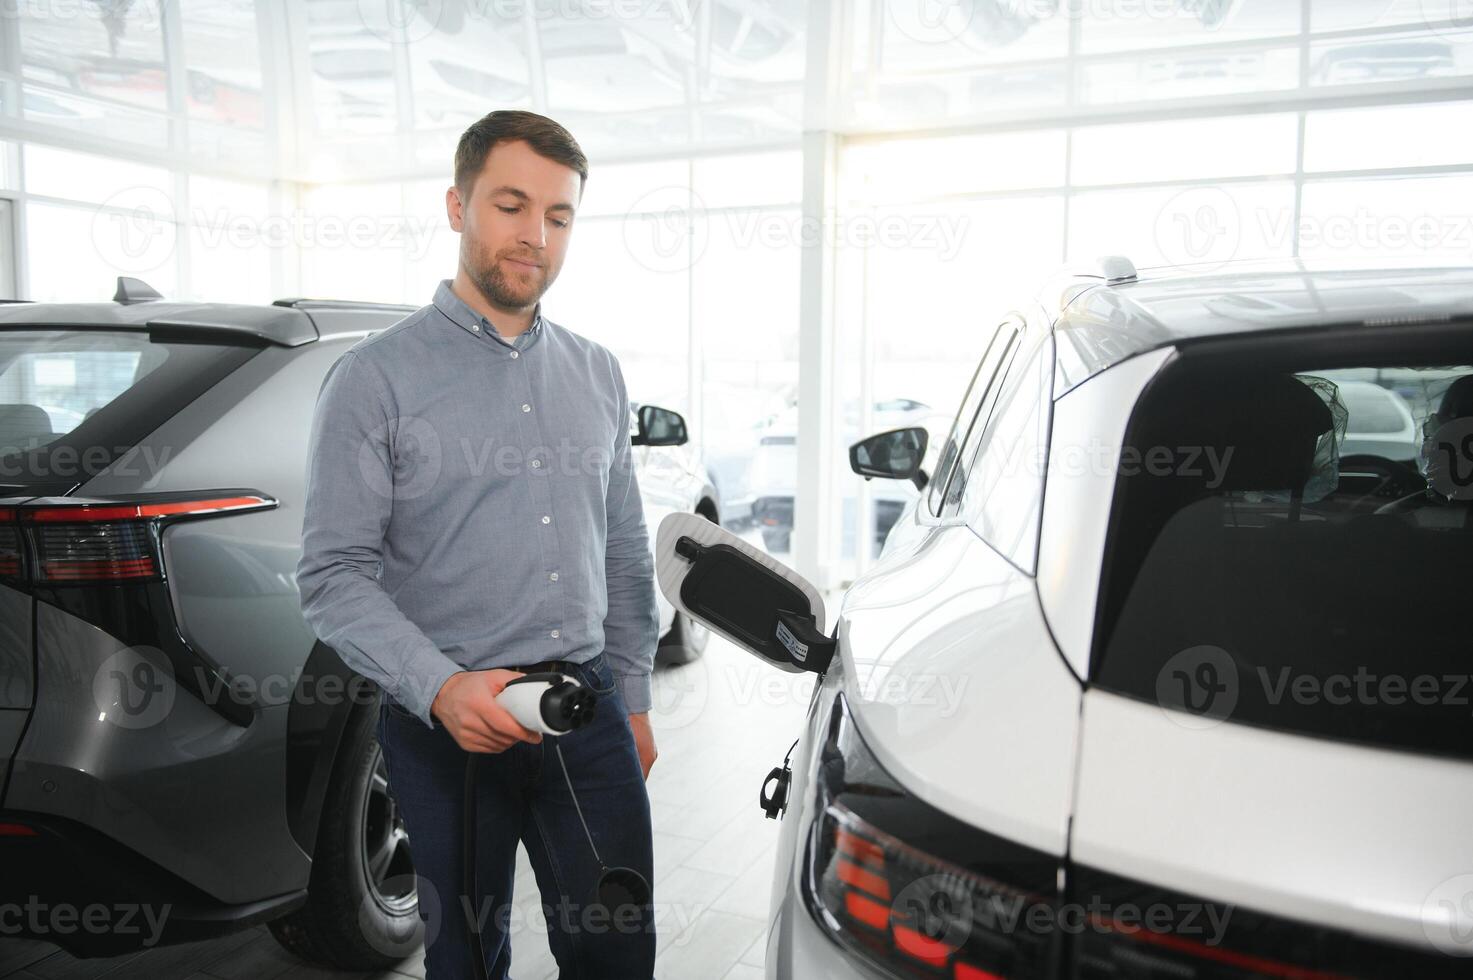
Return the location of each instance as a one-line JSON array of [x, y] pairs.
[[1270, 424], [20, 424], [1457, 401]]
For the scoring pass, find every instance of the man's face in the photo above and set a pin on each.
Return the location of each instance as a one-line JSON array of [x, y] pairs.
[[515, 224]]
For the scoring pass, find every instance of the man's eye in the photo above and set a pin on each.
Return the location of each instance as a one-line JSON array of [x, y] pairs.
[[506, 210], [560, 224]]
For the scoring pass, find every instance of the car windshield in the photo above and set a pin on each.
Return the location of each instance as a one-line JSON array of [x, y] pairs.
[[1290, 549]]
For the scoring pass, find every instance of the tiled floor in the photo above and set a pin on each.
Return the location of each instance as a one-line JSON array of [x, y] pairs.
[[720, 723]]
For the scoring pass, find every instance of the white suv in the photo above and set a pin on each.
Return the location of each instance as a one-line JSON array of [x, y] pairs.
[[1153, 681]]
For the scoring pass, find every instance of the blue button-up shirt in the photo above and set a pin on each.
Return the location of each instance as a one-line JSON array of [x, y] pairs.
[[471, 503]]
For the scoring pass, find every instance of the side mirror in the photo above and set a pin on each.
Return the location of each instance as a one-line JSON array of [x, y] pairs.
[[893, 455], [660, 427]]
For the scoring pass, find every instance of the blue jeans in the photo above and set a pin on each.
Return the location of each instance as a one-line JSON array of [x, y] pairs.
[[523, 797]]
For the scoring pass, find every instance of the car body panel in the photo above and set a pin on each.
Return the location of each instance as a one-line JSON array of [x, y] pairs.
[[946, 646], [164, 776], [1306, 828], [1084, 452], [17, 669]]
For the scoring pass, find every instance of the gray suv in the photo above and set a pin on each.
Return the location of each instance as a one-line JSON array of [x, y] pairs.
[[178, 753]]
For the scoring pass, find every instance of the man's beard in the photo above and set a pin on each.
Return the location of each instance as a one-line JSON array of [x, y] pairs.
[[501, 290]]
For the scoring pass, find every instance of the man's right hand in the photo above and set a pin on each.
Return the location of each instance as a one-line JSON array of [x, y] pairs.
[[466, 706]]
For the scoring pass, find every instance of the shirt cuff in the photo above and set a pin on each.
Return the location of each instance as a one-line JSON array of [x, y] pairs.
[[421, 681], [635, 689]]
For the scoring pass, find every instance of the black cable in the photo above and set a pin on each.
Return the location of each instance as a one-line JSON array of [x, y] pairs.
[[468, 845]]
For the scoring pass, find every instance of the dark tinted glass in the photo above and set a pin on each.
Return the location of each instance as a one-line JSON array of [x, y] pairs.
[[1252, 579]]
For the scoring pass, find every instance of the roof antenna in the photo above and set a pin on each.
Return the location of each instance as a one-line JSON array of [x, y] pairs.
[[132, 291]]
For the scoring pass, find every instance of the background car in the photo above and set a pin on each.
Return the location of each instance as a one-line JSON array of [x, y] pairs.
[[774, 469], [1381, 422], [1101, 707], [171, 732]]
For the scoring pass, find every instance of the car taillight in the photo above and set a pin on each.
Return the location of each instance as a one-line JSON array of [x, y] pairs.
[[99, 541], [914, 890], [10, 555], [89, 552]]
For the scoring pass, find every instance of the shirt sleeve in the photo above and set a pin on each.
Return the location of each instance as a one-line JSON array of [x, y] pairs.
[[349, 498], [632, 623]]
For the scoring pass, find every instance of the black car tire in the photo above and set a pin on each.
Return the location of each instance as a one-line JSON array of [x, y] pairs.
[[685, 642], [362, 913]]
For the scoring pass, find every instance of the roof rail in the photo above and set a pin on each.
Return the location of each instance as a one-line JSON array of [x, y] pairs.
[[303, 303], [1115, 268], [132, 291]]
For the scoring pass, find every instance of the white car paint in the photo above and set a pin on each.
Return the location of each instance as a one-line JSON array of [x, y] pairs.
[[1330, 834]]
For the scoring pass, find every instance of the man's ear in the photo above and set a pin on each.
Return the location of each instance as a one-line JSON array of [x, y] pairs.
[[454, 207]]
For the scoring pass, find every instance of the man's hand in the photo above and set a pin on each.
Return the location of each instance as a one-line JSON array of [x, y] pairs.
[[466, 706], [644, 741]]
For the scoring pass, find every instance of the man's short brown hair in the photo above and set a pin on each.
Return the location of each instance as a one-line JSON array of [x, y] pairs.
[[546, 138]]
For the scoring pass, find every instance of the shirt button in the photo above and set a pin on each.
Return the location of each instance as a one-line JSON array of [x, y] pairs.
[[526, 408], [536, 464], [556, 634], [553, 577], [546, 519], [515, 355], [475, 327]]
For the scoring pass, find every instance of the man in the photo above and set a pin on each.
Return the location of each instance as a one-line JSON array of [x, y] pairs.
[[480, 454]]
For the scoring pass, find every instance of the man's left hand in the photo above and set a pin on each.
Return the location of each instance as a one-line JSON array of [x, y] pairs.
[[644, 741]]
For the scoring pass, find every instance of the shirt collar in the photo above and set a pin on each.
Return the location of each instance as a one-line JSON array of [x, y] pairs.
[[473, 323]]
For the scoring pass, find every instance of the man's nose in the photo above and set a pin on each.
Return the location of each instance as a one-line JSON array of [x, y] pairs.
[[533, 232]]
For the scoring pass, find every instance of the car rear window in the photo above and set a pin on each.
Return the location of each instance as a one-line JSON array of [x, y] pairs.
[[73, 400], [1260, 574]]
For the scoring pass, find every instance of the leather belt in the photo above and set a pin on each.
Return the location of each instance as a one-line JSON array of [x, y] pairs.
[[546, 666]]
